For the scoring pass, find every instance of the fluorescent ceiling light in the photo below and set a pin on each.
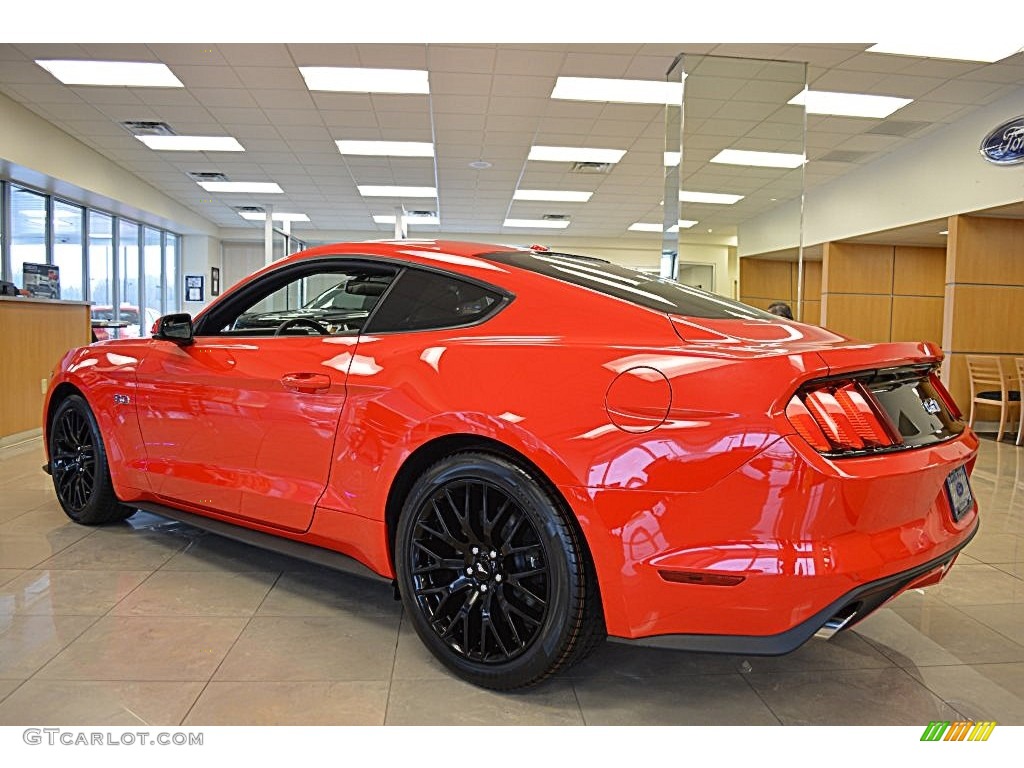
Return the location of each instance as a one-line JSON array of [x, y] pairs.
[[554, 195], [360, 80], [122, 73], [253, 187], [716, 198], [848, 104], [672, 159], [386, 148], [192, 143], [761, 159], [614, 89], [575, 154], [963, 49], [275, 216], [642, 227], [537, 223], [421, 220], [372, 190]]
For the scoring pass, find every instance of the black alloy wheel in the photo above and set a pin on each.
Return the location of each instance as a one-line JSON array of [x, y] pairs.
[[491, 572], [78, 464]]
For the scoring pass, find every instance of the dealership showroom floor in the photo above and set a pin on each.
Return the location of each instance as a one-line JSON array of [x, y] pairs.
[[152, 621]]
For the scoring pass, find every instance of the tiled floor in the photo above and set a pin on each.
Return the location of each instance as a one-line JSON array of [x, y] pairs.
[[156, 622]]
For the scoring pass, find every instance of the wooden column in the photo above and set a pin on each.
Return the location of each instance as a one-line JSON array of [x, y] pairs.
[[984, 296]]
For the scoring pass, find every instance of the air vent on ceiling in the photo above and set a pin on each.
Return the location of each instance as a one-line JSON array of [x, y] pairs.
[[844, 156], [249, 209], [589, 167], [898, 127], [148, 128], [208, 176], [555, 217], [420, 214]]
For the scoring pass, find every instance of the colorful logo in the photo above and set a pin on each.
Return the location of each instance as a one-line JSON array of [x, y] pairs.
[[966, 730]]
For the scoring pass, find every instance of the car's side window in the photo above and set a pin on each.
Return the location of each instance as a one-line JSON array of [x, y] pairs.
[[421, 300], [329, 300]]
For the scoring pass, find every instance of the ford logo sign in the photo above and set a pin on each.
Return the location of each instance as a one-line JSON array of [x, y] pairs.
[[1005, 145]]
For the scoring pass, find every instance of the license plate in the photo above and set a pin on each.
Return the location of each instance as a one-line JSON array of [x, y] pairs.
[[959, 490]]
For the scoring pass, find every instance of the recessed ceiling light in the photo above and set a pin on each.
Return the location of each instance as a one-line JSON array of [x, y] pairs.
[[480, 165], [537, 223], [716, 198], [672, 159], [275, 216], [373, 190], [386, 148], [130, 74], [252, 187], [848, 104], [192, 143], [618, 90], [360, 80], [962, 48], [575, 154], [760, 159], [555, 195], [644, 227], [421, 220]]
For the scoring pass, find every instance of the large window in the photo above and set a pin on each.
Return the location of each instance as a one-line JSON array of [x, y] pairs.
[[101, 259], [121, 266], [153, 257], [67, 248], [28, 231]]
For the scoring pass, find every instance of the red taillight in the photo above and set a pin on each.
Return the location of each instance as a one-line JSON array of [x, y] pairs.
[[839, 417]]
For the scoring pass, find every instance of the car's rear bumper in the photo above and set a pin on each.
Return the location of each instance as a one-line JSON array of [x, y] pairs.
[[842, 613], [767, 555]]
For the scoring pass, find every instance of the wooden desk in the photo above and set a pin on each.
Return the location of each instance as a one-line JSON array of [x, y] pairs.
[[34, 335]]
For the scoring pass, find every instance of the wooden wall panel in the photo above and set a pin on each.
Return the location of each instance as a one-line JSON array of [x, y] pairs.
[[919, 271], [988, 319], [861, 316], [812, 280], [756, 301], [986, 250], [917, 318], [858, 268], [812, 312], [33, 338], [766, 279]]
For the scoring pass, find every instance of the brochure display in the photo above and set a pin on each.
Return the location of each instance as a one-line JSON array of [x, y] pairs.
[[42, 281]]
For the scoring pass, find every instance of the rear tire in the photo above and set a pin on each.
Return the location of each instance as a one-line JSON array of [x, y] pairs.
[[78, 464], [492, 574]]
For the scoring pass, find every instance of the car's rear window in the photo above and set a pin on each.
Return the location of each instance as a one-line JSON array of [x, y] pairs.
[[630, 285]]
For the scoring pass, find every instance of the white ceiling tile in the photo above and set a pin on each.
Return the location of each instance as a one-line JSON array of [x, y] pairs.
[[271, 77], [293, 116], [461, 58], [393, 56], [175, 54], [282, 98], [460, 103], [460, 83], [256, 54], [208, 76], [385, 102], [522, 85], [324, 55], [338, 120]]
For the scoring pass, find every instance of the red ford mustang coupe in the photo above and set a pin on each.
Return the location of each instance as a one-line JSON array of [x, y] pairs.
[[539, 449]]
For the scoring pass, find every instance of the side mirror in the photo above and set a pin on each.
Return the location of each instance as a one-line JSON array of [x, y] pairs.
[[176, 328]]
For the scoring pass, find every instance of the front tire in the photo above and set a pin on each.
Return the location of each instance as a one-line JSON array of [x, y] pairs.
[[78, 464], [492, 573]]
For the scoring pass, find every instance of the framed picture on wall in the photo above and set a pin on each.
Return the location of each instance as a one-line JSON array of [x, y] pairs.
[[215, 281], [42, 280], [194, 288]]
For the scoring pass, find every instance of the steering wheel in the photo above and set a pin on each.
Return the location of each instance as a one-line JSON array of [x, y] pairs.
[[301, 321]]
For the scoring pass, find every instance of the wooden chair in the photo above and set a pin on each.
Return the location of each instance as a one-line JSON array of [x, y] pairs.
[[992, 384], [1020, 384]]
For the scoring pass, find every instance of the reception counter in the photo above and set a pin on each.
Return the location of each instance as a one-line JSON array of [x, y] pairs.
[[34, 335]]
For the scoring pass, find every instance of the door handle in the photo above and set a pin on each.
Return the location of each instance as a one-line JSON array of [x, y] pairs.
[[307, 383]]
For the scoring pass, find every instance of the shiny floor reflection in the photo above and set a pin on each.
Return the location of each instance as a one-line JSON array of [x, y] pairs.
[[156, 622]]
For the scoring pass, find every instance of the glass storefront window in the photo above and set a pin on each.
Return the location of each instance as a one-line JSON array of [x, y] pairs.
[[152, 260], [28, 231], [101, 259], [171, 267], [67, 248], [128, 274]]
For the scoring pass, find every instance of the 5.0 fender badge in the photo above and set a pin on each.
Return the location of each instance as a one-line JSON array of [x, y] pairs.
[[122, 400]]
